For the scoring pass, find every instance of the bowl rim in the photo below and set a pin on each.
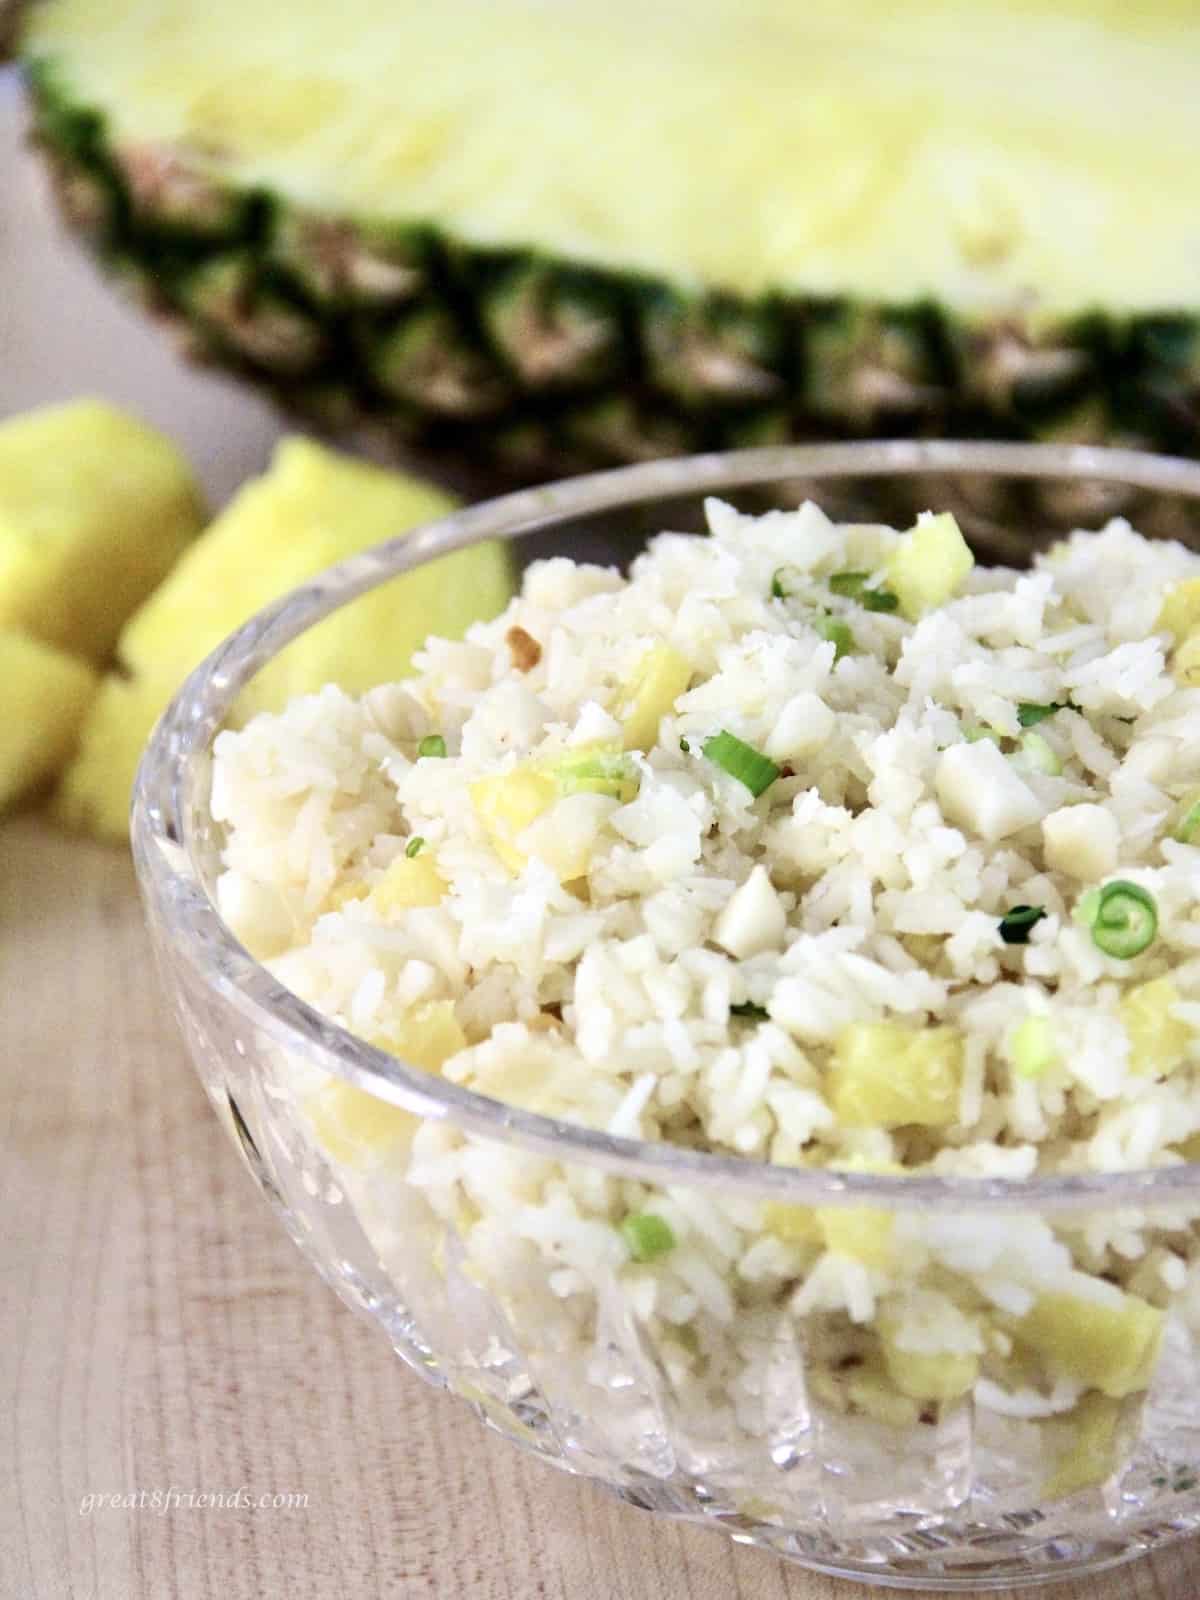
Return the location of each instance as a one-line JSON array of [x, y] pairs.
[[188, 926]]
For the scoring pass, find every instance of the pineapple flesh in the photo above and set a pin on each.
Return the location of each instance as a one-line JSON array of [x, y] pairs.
[[46, 696], [95, 508], [644, 231], [313, 508]]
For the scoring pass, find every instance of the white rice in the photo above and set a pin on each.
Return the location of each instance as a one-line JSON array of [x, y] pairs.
[[607, 999]]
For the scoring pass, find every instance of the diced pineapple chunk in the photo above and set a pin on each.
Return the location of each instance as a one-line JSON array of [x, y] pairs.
[[1180, 610], [1089, 1452], [1185, 663], [46, 696], [1158, 1042], [661, 677], [349, 1123], [888, 1075], [506, 804], [792, 1224], [862, 1232], [1108, 1343], [425, 1037], [928, 564], [409, 882], [95, 508], [939, 1375], [873, 1393], [565, 835], [343, 894]]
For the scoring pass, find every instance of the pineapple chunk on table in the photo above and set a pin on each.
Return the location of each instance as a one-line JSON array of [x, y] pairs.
[[95, 508], [46, 696], [312, 508]]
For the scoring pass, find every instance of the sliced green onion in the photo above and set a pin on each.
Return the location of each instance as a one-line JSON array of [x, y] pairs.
[[853, 586], [1122, 916], [647, 1236], [1185, 829], [783, 582], [973, 733], [685, 747], [741, 761], [1016, 925], [607, 773], [1040, 754], [838, 633], [1030, 713], [850, 584], [432, 745], [414, 846], [747, 1008]]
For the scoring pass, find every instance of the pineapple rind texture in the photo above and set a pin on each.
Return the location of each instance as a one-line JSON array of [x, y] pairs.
[[536, 359]]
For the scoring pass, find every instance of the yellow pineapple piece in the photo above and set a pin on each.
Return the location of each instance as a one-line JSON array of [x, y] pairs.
[[928, 565], [939, 1375], [875, 1395], [410, 882], [95, 788], [861, 1232], [792, 1224], [46, 695], [506, 804], [425, 1037], [1180, 609], [1089, 1452], [1158, 1041], [1185, 663], [888, 1075], [351, 1124], [1110, 1344], [95, 508], [660, 677], [311, 509]]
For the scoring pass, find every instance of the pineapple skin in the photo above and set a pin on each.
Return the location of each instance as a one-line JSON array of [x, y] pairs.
[[535, 366]]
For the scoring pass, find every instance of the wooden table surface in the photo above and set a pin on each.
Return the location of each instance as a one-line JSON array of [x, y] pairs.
[[158, 1331]]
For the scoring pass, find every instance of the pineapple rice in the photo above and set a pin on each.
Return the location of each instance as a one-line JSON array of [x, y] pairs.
[[813, 844]]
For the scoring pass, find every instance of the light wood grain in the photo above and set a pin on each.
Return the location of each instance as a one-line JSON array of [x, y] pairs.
[[158, 1330]]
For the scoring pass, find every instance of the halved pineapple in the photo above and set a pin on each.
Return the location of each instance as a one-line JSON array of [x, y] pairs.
[[641, 230]]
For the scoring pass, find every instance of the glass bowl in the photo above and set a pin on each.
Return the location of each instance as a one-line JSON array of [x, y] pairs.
[[725, 1405]]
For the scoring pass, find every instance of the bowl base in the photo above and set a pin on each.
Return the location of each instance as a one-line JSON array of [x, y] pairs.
[[916, 1562]]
